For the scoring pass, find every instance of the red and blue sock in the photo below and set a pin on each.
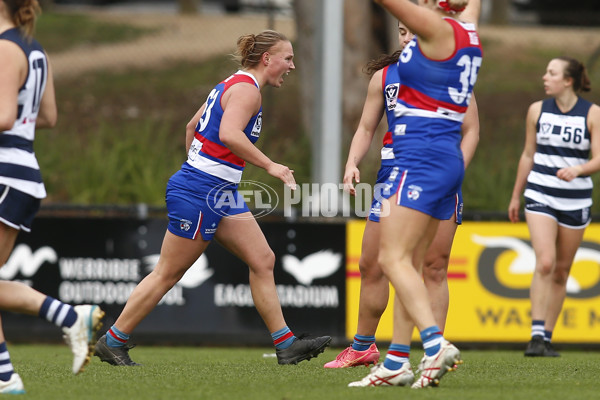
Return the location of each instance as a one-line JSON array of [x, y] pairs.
[[57, 312], [432, 340], [362, 342], [283, 338], [116, 338], [396, 356]]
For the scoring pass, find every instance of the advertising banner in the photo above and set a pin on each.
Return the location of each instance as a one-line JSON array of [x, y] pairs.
[[490, 271], [100, 261]]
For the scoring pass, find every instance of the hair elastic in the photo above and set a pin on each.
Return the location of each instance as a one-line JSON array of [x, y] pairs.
[[445, 5]]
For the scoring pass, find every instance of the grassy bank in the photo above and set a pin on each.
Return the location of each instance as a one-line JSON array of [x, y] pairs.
[[121, 133]]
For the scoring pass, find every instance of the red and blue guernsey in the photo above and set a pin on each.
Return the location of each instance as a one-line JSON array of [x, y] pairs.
[[390, 81], [434, 96], [207, 153]]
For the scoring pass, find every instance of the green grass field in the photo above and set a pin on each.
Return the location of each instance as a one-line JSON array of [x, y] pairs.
[[244, 373]]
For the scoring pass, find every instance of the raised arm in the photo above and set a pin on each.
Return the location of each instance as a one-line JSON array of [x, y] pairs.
[[472, 12], [436, 36]]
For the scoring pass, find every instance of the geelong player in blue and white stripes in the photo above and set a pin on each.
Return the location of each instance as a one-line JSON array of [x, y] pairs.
[[27, 102], [554, 171]]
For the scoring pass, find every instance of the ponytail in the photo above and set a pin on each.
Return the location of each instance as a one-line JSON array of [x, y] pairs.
[[251, 47], [23, 14], [577, 71], [381, 62]]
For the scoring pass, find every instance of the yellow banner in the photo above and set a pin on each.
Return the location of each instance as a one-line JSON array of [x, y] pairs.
[[490, 271]]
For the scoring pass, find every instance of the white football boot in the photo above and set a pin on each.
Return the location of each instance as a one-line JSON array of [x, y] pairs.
[[12, 386], [433, 368], [381, 376], [81, 335]]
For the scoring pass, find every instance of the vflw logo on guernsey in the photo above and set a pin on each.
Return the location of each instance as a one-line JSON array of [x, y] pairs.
[[391, 95], [257, 126], [259, 197]]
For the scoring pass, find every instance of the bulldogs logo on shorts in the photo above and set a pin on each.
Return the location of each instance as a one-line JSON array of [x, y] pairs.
[[185, 224], [414, 192]]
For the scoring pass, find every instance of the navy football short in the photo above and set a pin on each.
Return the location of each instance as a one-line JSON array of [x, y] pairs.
[[575, 219], [17, 209]]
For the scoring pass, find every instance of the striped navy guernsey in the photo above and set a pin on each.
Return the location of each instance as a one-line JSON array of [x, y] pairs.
[[19, 168], [563, 140]]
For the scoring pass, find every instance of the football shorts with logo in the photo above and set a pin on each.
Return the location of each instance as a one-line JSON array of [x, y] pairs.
[[427, 183], [574, 219], [382, 176], [196, 203]]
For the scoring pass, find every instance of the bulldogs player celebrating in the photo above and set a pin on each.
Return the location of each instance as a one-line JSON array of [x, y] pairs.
[[220, 140], [382, 96], [428, 172]]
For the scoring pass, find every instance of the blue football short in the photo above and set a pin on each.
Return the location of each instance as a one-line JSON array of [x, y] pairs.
[[196, 203], [382, 176], [427, 184], [17, 209], [575, 219]]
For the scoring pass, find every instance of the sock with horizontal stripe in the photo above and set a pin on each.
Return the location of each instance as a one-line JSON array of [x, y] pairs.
[[396, 356], [537, 328], [57, 312], [547, 336], [6, 367], [432, 340], [362, 342], [283, 338], [116, 338]]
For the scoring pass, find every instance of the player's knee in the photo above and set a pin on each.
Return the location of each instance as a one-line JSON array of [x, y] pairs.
[[263, 263], [382, 262], [369, 269], [545, 265], [561, 274], [436, 268], [165, 279]]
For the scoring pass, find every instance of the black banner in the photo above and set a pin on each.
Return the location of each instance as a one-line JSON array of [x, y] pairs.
[[100, 261]]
